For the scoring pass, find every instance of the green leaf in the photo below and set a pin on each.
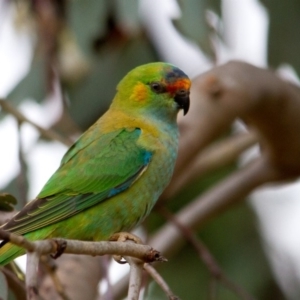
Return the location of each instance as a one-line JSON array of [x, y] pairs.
[[7, 202]]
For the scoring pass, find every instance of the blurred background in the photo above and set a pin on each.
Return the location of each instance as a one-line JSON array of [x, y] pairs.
[[60, 61]]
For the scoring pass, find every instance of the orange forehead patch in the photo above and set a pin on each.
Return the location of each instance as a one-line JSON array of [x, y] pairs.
[[180, 84], [139, 92]]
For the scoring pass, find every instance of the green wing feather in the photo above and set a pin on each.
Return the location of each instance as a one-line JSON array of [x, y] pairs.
[[91, 171]]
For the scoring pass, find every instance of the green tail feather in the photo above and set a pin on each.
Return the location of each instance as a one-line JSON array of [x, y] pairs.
[[9, 252]]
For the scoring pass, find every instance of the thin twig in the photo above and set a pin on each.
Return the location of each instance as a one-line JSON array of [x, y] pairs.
[[160, 281], [32, 276], [46, 133], [205, 256], [135, 277], [23, 189]]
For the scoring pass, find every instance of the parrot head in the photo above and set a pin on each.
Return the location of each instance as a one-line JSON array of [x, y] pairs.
[[159, 89]]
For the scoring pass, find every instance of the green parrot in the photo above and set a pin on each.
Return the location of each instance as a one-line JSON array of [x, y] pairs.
[[110, 179]]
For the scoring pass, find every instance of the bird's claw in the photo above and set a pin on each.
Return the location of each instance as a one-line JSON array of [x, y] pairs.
[[123, 237]]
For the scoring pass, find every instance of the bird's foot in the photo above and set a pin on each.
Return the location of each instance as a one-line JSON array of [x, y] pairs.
[[123, 237]]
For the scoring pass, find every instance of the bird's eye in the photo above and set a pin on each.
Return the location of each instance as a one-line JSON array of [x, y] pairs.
[[157, 87]]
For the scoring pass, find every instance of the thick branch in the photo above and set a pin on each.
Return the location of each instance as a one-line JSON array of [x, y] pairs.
[[268, 104]]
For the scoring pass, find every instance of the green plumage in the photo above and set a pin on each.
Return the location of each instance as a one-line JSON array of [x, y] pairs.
[[109, 180]]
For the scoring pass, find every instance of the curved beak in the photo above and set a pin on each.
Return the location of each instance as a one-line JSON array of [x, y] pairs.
[[182, 98]]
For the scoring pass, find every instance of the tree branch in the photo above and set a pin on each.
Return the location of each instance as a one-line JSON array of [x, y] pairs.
[[135, 277], [143, 252], [32, 275], [135, 254], [268, 105], [160, 281]]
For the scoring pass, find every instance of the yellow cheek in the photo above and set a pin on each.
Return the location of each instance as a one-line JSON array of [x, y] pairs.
[[139, 93]]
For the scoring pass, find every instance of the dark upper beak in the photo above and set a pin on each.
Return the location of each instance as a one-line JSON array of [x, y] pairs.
[[182, 98]]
